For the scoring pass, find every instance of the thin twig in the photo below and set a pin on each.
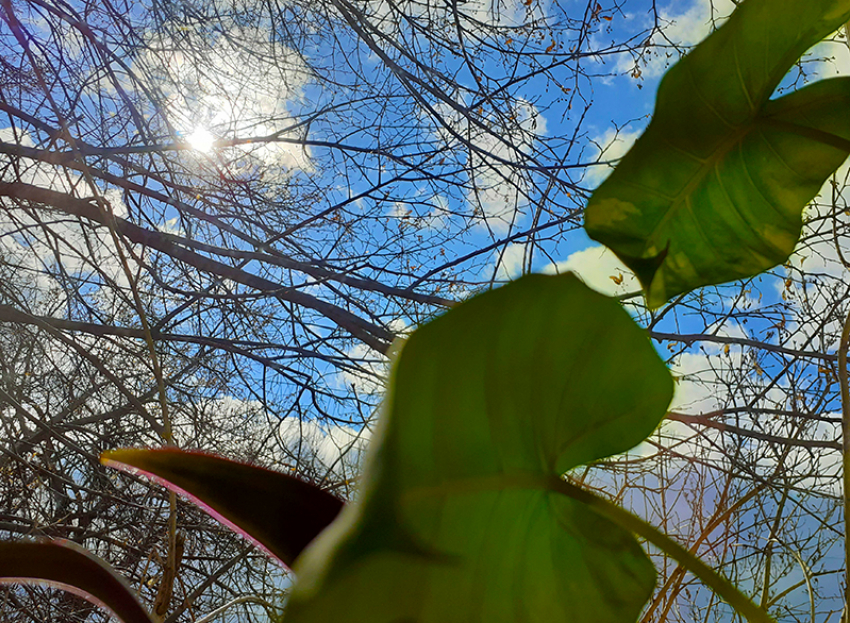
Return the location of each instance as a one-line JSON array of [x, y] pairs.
[[845, 441]]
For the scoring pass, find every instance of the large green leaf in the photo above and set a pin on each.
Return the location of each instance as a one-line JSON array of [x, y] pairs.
[[458, 518], [67, 566], [280, 513], [714, 189]]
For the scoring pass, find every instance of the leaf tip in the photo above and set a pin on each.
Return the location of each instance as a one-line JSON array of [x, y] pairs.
[[120, 458]]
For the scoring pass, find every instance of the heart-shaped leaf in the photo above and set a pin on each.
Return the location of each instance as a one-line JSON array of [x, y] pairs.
[[458, 519], [715, 188], [280, 513], [67, 566]]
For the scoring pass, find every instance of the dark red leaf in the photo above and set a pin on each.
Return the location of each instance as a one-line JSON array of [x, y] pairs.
[[280, 513], [67, 566]]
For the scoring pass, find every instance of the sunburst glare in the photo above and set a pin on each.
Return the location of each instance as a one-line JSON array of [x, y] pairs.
[[201, 140]]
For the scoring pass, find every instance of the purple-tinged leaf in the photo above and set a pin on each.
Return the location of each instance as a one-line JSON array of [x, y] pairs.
[[280, 513], [65, 565]]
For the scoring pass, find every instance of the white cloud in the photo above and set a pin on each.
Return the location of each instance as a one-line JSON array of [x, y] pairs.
[[703, 379], [497, 192], [716, 377], [830, 58], [684, 23], [610, 146], [24, 241], [333, 451], [815, 278], [819, 470], [369, 376], [240, 428], [33, 172], [599, 269], [508, 262], [400, 211], [238, 86], [395, 18], [434, 218], [699, 381], [495, 14]]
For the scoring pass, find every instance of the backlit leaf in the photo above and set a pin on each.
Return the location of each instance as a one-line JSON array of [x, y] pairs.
[[489, 405], [714, 189], [280, 513]]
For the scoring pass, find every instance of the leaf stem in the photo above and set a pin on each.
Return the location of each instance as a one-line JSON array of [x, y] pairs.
[[623, 518]]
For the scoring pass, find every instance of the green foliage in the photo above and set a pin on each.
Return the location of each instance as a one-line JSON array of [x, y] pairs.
[[463, 512], [715, 188], [279, 512], [459, 518]]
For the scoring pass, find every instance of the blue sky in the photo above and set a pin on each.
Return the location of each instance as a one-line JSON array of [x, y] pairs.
[[607, 101]]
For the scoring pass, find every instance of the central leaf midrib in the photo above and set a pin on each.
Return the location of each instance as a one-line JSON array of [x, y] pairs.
[[699, 176]]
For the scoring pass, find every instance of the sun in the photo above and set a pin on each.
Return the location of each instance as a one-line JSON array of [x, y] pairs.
[[201, 140]]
